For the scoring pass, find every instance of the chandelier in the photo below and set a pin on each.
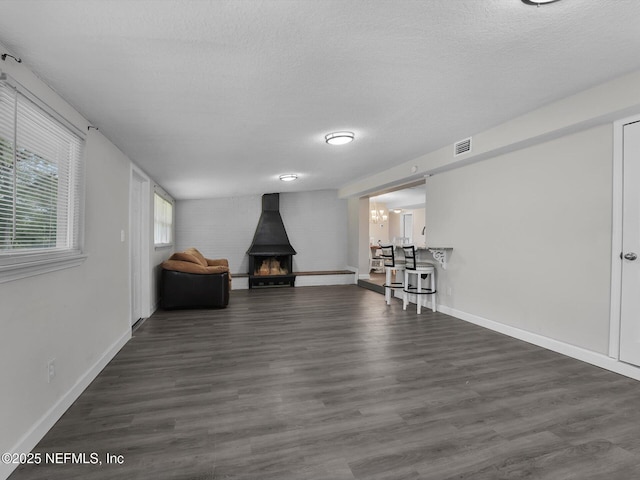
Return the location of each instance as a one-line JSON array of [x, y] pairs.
[[378, 215]]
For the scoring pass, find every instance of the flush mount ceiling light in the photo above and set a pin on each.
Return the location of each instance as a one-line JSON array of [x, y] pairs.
[[537, 3], [339, 138], [289, 177]]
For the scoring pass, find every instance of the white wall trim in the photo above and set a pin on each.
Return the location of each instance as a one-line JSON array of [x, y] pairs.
[[588, 356], [239, 283], [38, 430], [616, 243], [356, 275], [29, 266], [145, 248]]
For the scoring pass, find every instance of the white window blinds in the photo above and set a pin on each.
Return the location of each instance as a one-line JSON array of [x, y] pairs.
[[40, 178], [162, 220]]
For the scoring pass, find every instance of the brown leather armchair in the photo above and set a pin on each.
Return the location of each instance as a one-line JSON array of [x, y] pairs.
[[189, 280]]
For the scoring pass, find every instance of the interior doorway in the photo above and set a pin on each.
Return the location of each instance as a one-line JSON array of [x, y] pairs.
[[393, 216], [139, 245]]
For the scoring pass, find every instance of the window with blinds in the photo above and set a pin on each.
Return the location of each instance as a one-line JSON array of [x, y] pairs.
[[40, 178], [162, 220]]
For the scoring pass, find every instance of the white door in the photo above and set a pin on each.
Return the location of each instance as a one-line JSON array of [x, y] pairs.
[[630, 298], [135, 239]]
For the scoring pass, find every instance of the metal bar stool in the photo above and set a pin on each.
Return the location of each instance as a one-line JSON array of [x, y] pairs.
[[390, 264], [420, 270]]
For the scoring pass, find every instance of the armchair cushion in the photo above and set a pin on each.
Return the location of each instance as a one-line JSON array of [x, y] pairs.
[[192, 261], [196, 253]]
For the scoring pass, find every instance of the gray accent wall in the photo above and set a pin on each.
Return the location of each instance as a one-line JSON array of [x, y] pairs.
[[316, 223]]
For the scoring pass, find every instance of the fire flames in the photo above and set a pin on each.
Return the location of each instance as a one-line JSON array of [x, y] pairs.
[[271, 266]]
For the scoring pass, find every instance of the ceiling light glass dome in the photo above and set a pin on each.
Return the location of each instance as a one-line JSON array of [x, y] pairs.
[[339, 138], [537, 3], [288, 177]]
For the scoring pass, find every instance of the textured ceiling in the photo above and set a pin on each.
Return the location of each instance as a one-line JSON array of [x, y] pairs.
[[408, 198], [217, 98]]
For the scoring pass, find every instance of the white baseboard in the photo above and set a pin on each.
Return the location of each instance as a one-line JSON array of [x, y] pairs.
[[315, 280], [356, 274], [30, 439], [239, 283], [588, 356]]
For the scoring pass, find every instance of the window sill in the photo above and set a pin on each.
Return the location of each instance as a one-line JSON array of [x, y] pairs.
[[15, 268], [161, 246]]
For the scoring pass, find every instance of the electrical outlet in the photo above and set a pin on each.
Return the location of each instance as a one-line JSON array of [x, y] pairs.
[[51, 370]]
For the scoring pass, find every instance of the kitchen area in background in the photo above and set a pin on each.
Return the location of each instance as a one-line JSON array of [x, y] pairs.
[[397, 218]]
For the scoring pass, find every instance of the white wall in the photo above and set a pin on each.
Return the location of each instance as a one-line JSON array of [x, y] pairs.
[[395, 225], [79, 316], [379, 232], [316, 223], [418, 224], [531, 232], [358, 236], [353, 211]]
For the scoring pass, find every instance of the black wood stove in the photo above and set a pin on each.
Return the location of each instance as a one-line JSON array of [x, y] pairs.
[[271, 253]]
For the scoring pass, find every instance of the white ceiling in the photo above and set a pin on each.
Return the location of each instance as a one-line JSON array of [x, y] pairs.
[[219, 97], [405, 198]]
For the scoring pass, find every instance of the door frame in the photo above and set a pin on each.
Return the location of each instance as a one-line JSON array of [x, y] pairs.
[[616, 235], [145, 241]]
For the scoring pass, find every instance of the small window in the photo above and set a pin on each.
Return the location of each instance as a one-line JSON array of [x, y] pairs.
[[40, 179], [162, 221]]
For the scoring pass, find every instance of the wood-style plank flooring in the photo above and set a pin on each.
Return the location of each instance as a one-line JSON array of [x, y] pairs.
[[329, 383]]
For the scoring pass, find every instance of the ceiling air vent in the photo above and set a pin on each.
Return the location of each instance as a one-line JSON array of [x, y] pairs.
[[463, 146]]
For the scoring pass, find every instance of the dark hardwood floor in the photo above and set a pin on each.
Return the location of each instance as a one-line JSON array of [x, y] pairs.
[[330, 383], [375, 282]]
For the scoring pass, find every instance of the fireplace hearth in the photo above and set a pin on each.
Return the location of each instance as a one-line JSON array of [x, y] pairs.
[[270, 271], [271, 253]]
